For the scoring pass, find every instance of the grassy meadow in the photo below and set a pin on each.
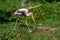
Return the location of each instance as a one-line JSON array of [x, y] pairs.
[[47, 18]]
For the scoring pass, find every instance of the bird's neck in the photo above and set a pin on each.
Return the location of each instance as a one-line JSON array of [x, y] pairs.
[[28, 14]]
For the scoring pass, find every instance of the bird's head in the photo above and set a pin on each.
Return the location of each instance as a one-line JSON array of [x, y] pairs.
[[32, 16], [15, 12]]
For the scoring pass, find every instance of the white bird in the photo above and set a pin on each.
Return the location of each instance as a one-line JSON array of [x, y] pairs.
[[24, 12]]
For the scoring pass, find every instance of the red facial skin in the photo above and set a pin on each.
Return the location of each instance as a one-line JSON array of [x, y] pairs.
[[14, 13]]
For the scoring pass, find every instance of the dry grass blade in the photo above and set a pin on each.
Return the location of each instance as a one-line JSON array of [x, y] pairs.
[[18, 36], [31, 7]]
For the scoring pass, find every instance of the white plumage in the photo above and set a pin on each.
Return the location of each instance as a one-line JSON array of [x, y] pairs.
[[22, 11]]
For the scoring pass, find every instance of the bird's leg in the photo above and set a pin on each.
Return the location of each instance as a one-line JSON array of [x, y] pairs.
[[26, 24], [16, 23], [26, 21], [29, 30]]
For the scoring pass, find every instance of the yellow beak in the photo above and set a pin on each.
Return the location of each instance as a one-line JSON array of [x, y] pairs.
[[32, 16]]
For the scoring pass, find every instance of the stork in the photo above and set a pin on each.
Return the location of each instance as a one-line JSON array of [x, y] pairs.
[[24, 12]]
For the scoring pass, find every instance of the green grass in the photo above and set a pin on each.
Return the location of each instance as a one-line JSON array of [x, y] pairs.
[[47, 14], [7, 31]]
